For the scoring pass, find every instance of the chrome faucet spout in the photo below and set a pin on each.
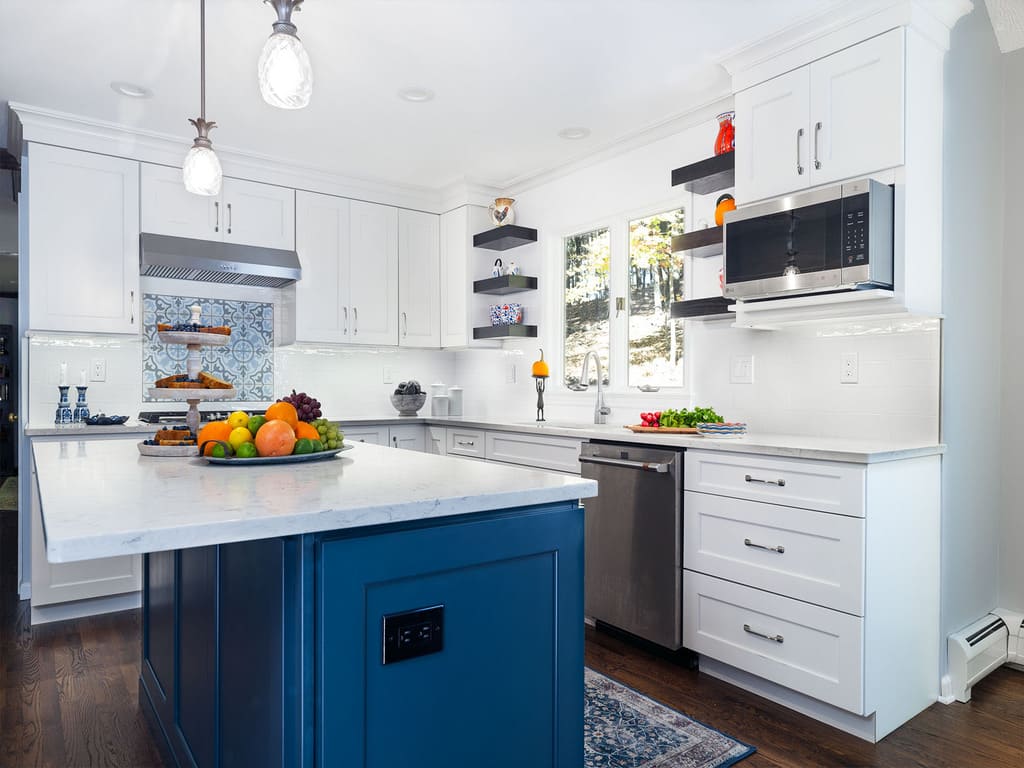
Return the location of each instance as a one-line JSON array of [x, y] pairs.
[[601, 410]]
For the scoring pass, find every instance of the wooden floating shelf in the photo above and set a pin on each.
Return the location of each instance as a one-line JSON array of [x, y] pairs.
[[505, 284], [517, 331], [713, 307], [707, 176], [503, 238], [701, 243]]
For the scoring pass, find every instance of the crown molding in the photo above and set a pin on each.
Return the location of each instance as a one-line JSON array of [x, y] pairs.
[[45, 126], [840, 27], [467, 192]]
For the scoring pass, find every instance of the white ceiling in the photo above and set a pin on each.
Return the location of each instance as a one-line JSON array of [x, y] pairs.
[[508, 74]]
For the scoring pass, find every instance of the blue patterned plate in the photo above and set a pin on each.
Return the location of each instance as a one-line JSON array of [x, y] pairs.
[[104, 420], [293, 459]]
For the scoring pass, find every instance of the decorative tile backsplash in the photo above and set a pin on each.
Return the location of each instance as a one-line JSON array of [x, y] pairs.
[[247, 361]]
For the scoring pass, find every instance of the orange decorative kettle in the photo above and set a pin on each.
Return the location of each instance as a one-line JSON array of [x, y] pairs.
[[724, 203]]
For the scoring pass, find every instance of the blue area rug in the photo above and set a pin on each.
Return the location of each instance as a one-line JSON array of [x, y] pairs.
[[625, 729]]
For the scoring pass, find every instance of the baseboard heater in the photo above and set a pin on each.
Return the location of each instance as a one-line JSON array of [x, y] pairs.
[[995, 639]]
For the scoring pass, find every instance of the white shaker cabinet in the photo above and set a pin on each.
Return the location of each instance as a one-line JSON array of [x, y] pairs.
[[418, 279], [836, 118], [322, 310], [373, 275], [245, 212], [460, 264], [411, 437], [81, 211]]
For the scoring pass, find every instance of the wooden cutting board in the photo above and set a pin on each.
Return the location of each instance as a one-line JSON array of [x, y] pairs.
[[663, 430]]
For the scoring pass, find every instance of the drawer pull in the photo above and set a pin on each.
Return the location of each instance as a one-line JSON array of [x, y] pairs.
[[773, 638], [466, 443], [780, 482], [748, 543]]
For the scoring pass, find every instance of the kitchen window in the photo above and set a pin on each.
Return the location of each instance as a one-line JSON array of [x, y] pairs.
[[620, 282]]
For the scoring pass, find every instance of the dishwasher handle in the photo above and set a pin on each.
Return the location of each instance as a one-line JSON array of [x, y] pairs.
[[643, 466]]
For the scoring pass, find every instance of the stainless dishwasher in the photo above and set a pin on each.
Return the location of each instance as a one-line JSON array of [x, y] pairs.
[[634, 540]]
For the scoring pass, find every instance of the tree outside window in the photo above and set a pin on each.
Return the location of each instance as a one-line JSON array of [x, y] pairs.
[[587, 303]]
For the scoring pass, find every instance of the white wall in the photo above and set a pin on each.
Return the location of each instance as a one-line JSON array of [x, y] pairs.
[[1011, 531], [972, 276]]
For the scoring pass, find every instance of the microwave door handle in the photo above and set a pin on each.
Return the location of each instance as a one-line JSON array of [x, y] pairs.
[[799, 166]]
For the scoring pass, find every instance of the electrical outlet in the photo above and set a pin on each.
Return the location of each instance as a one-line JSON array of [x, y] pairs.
[[510, 373], [849, 368], [389, 377], [742, 369], [98, 369]]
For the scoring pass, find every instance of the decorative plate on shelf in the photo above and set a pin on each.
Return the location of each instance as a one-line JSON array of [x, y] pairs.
[[293, 459]]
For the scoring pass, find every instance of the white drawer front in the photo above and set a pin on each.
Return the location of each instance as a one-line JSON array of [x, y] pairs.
[[823, 485], [558, 453], [465, 442], [804, 647], [375, 435], [807, 555]]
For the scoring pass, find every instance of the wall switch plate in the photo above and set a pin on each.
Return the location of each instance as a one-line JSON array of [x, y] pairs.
[[510, 374], [848, 368], [741, 370], [98, 369], [389, 377]]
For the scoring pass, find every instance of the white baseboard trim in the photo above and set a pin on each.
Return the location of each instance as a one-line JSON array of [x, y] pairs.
[[862, 727], [76, 609]]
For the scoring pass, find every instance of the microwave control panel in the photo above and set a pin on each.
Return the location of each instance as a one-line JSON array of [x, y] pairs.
[[855, 230]]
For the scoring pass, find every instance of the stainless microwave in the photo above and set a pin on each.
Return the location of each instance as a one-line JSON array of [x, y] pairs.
[[831, 239]]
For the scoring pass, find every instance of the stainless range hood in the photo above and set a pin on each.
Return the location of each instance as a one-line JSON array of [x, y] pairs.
[[208, 261]]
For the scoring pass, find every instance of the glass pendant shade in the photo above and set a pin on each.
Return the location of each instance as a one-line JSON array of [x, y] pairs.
[[286, 76], [201, 172]]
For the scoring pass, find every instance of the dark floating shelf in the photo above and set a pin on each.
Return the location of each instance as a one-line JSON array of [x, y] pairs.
[[701, 242], [505, 284], [707, 309], [517, 331], [707, 176], [503, 238]]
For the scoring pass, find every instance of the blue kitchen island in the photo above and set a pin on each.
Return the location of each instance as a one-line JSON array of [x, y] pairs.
[[381, 609]]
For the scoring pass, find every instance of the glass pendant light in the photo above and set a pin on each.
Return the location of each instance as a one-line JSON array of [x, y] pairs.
[[286, 77], [201, 171]]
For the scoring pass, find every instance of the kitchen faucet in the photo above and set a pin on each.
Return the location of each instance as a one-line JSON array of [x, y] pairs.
[[601, 410]]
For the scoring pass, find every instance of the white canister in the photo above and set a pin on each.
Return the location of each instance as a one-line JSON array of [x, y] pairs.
[[437, 389], [439, 405], [454, 401]]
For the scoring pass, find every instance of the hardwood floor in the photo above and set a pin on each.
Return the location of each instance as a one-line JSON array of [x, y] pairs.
[[69, 697]]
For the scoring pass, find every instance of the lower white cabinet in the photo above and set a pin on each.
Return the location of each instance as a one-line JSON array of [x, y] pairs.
[[436, 441], [463, 441], [558, 453], [373, 433], [411, 437], [65, 582]]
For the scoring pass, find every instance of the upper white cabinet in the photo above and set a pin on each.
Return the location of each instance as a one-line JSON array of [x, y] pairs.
[[458, 302], [322, 309], [418, 280], [245, 212], [82, 217], [838, 117], [373, 276]]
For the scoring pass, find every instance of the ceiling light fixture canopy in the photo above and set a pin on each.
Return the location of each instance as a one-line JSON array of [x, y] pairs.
[[201, 171], [285, 74]]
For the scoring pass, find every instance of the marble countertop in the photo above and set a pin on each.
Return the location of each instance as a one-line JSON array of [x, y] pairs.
[[862, 451], [101, 498]]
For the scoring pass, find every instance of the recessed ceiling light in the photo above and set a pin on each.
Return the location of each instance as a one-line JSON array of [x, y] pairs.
[[131, 90], [574, 133], [416, 94]]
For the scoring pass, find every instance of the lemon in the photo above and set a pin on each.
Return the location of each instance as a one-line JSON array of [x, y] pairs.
[[239, 435], [239, 419]]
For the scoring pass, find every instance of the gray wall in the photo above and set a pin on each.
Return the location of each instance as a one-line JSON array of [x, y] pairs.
[[1011, 552], [972, 263]]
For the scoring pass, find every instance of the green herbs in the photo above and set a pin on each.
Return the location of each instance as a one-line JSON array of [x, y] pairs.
[[688, 418]]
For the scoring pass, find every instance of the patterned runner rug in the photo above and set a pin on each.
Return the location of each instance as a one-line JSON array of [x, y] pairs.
[[625, 729]]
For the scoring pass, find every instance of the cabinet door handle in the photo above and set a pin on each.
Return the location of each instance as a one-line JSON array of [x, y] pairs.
[[355, 320], [799, 165], [774, 638], [344, 327], [817, 130], [216, 221], [466, 443], [748, 543], [229, 212], [131, 307], [780, 482], [395, 440], [405, 325]]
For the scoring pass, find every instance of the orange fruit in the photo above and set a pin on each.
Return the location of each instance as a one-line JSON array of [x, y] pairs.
[[214, 430], [285, 412], [275, 438], [305, 429]]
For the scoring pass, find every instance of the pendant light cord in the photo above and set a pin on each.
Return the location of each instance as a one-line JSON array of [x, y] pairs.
[[202, 59]]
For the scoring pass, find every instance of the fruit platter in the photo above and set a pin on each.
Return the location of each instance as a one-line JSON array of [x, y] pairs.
[[675, 422]]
